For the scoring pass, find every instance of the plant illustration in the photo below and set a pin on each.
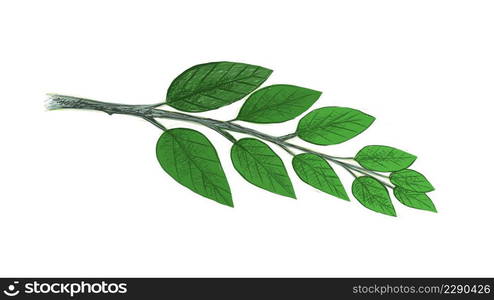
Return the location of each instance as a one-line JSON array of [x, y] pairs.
[[189, 157]]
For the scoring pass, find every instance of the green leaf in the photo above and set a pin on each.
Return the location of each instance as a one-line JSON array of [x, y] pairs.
[[332, 125], [277, 103], [213, 85], [315, 171], [259, 165], [373, 195], [384, 158], [414, 199], [190, 158], [411, 180]]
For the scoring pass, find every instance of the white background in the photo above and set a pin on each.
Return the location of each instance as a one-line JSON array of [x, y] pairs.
[[82, 194]]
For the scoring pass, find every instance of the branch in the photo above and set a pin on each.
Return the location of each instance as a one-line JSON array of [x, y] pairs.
[[288, 136], [150, 113]]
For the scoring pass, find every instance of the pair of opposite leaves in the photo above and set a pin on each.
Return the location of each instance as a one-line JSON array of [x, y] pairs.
[[191, 159]]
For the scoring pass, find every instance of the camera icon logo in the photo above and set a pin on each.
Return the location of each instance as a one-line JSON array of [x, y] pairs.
[[11, 290]]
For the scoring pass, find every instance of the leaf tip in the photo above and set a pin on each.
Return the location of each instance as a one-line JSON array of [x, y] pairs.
[[391, 213], [431, 187], [227, 202], [346, 198], [292, 195]]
